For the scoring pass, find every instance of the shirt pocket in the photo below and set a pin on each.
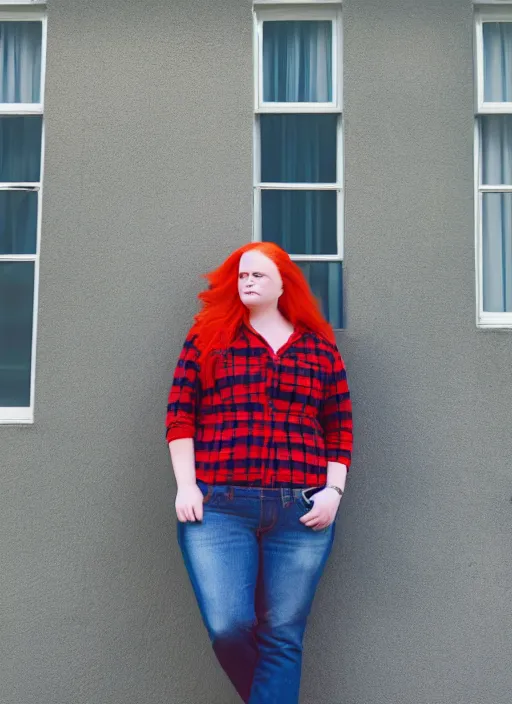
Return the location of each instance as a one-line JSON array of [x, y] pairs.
[[240, 377], [301, 381]]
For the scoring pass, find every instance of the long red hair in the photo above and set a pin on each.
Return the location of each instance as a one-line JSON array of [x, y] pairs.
[[223, 313]]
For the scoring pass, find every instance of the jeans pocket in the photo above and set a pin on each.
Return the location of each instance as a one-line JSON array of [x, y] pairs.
[[206, 489]]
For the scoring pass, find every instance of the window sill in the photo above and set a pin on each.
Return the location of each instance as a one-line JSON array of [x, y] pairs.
[[496, 321], [16, 416]]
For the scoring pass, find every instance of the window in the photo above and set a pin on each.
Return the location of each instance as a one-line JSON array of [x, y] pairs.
[[298, 158], [493, 161], [22, 58]]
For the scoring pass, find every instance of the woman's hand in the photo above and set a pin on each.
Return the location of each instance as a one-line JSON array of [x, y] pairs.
[[189, 503], [323, 513]]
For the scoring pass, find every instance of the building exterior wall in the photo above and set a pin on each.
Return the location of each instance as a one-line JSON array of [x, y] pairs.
[[147, 185]]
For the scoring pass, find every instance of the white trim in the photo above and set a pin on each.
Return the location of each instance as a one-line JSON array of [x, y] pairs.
[[263, 3], [478, 62], [15, 415], [28, 186], [495, 321], [21, 109], [13, 13], [8, 415], [494, 108], [18, 257], [316, 257], [488, 14], [298, 186], [484, 319], [477, 224], [496, 189], [310, 12], [44, 46], [339, 59], [495, 14], [297, 107]]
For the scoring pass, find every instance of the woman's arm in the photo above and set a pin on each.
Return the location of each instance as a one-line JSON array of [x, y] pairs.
[[336, 417], [180, 432], [337, 474], [336, 420]]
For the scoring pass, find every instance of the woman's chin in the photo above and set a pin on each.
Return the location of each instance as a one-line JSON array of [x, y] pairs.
[[250, 301]]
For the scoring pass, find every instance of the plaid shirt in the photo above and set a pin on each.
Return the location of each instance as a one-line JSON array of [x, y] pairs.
[[268, 419]]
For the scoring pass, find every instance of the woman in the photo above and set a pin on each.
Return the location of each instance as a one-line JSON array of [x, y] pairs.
[[259, 427]]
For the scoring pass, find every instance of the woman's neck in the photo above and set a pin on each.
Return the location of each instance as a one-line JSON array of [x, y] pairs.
[[268, 319]]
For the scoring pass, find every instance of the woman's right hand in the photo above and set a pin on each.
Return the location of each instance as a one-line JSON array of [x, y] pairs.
[[189, 503]]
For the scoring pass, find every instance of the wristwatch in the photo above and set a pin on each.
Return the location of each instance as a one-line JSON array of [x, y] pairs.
[[336, 488]]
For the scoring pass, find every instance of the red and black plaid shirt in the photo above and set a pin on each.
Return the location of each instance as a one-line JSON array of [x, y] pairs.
[[268, 420]]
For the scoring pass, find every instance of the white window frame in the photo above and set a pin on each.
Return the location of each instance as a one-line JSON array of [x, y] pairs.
[[298, 11], [25, 415]]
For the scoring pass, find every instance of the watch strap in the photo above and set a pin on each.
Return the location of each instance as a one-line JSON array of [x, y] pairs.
[[336, 488]]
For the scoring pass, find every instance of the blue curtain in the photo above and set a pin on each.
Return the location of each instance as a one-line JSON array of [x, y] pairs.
[[20, 62], [326, 282], [20, 148], [297, 61], [298, 148], [16, 312], [18, 222], [301, 222], [497, 213], [497, 37]]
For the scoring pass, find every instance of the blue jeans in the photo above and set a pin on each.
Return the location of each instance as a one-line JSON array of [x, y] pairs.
[[254, 568]]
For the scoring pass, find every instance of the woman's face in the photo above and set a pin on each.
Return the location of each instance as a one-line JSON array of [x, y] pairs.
[[259, 281]]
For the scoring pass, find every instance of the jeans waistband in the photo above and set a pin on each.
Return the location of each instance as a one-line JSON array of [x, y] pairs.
[[255, 492]]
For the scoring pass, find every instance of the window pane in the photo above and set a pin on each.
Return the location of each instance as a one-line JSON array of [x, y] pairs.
[[301, 222], [497, 37], [20, 148], [18, 222], [497, 252], [297, 61], [496, 149], [298, 148], [20, 62], [326, 282], [16, 309]]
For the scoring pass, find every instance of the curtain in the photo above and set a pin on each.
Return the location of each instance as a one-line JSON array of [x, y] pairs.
[[18, 222], [297, 61], [16, 312], [20, 148], [326, 282], [20, 62], [497, 37], [299, 149], [497, 213], [497, 170]]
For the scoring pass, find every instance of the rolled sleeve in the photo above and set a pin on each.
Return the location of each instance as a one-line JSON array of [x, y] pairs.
[[336, 415], [182, 400]]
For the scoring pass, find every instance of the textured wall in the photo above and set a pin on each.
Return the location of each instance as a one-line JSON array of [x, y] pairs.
[[147, 185]]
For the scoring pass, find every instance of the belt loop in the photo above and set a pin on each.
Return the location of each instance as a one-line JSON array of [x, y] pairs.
[[231, 493], [286, 496]]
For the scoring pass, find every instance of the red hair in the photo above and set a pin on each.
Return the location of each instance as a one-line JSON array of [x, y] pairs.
[[223, 313]]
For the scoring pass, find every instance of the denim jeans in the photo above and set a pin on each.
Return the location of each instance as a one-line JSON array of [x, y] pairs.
[[254, 568]]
